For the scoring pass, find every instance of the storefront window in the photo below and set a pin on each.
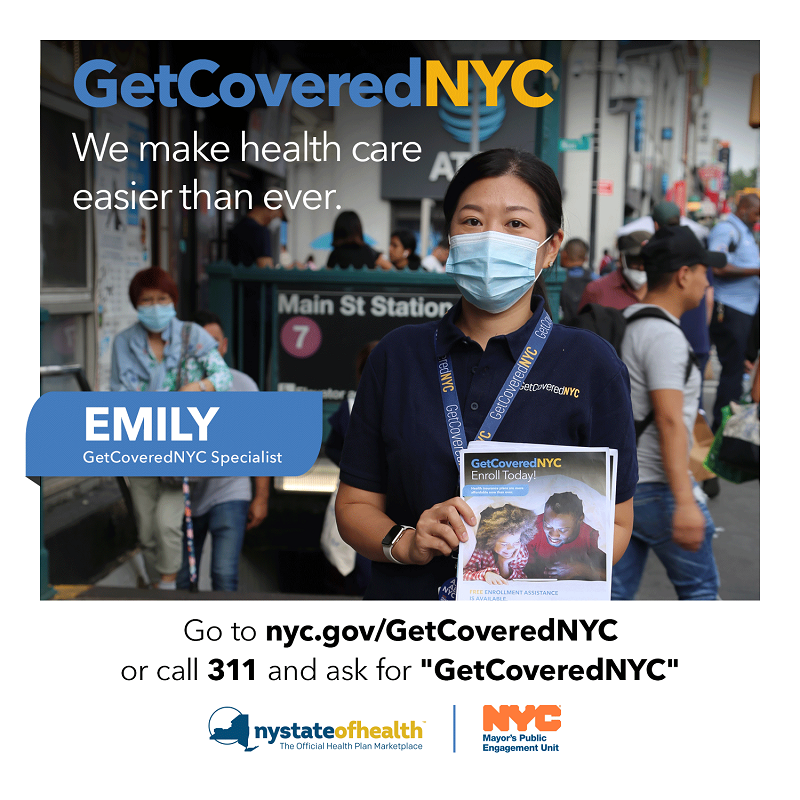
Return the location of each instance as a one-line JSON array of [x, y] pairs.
[[63, 254], [63, 342]]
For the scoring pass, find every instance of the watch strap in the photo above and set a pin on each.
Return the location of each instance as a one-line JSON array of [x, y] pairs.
[[392, 538]]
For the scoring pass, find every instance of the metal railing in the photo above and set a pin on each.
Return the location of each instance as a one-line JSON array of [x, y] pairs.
[[60, 370]]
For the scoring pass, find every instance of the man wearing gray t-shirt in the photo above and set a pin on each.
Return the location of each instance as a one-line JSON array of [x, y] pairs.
[[665, 385], [225, 507]]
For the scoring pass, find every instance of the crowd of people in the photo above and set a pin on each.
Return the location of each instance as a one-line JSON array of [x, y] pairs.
[[255, 240], [711, 297], [398, 504]]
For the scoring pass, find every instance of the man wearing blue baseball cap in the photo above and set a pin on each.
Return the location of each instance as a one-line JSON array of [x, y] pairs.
[[670, 516]]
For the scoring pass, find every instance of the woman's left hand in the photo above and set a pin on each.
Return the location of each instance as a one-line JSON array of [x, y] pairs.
[[439, 530]]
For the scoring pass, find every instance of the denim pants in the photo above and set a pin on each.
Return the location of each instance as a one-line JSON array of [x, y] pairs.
[[694, 575], [226, 522]]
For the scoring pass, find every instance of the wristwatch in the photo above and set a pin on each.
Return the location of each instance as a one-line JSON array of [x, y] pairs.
[[392, 538]]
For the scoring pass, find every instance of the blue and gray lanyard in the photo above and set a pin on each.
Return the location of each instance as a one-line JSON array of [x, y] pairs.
[[452, 408], [519, 372]]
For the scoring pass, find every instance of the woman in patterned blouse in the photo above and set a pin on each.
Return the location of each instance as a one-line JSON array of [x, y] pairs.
[[149, 356]]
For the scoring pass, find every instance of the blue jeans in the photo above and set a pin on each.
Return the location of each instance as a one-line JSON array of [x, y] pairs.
[[694, 575], [227, 522]]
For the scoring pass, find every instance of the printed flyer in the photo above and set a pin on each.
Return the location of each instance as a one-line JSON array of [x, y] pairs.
[[546, 523], [234, 270]]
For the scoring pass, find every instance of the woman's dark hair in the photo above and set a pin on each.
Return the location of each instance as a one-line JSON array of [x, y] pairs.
[[152, 278], [205, 317], [407, 239], [409, 242], [508, 161], [347, 229], [497, 522], [523, 165]]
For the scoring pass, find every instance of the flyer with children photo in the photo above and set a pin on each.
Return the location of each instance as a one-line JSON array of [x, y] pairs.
[[545, 522]]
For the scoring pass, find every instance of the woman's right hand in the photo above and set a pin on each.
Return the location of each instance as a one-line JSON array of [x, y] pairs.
[[439, 531]]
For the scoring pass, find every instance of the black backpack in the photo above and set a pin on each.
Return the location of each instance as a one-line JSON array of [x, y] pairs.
[[611, 324], [608, 323]]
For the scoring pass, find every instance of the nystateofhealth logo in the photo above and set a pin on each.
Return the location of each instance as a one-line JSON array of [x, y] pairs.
[[538, 717], [227, 725]]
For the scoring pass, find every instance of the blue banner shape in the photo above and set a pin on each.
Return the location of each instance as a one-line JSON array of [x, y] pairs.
[[174, 433]]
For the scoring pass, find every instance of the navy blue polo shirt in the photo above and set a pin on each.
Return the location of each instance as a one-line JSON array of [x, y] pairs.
[[397, 444]]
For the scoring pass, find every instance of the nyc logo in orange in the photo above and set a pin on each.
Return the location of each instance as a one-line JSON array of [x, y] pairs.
[[540, 716]]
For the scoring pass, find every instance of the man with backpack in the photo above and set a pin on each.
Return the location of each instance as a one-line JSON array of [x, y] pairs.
[[665, 381]]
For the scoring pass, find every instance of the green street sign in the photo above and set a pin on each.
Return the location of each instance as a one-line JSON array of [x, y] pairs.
[[584, 143]]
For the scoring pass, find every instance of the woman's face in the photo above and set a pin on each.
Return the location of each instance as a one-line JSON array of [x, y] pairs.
[[397, 253], [506, 205], [153, 297], [507, 545]]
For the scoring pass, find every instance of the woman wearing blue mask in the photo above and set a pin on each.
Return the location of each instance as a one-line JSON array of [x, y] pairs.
[[428, 389], [155, 354]]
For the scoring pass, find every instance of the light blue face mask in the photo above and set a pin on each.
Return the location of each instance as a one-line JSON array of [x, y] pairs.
[[156, 317], [492, 269]]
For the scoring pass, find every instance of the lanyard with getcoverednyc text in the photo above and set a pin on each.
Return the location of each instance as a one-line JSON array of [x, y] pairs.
[[515, 379]]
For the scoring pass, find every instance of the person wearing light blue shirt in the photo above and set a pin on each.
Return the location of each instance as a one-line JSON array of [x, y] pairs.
[[736, 295], [161, 353]]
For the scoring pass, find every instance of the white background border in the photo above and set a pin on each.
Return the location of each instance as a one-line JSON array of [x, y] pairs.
[[715, 726]]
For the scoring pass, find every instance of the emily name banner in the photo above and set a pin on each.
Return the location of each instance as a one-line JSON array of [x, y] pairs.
[[174, 433]]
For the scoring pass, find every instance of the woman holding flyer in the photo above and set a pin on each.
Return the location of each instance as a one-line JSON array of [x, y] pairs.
[[494, 365]]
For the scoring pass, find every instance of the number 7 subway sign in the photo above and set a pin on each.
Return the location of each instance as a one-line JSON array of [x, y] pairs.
[[301, 337]]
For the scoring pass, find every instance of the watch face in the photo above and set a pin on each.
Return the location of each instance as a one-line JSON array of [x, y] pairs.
[[391, 536]]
